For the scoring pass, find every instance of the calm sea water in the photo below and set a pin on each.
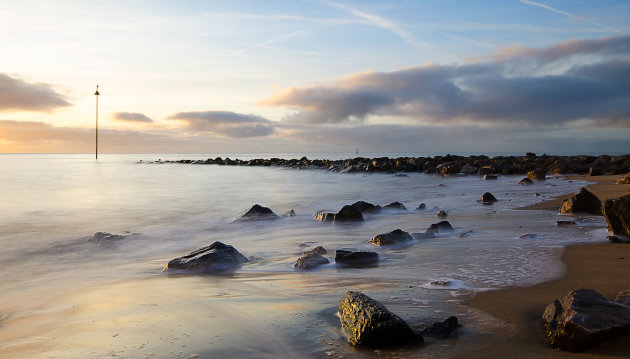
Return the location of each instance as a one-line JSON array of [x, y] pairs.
[[65, 297]]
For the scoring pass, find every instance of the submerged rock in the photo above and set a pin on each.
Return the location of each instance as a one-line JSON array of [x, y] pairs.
[[348, 258], [324, 216], [366, 322], [394, 237], [487, 198], [316, 250], [441, 330], [584, 318], [565, 223], [422, 206], [623, 297], [526, 181], [310, 261], [257, 213], [348, 214], [617, 214], [490, 177], [366, 207], [395, 205], [442, 214], [440, 227], [582, 202], [105, 237], [216, 257], [288, 214]]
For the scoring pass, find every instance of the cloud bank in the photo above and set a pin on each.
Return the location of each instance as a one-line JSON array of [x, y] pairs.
[[19, 95], [571, 81], [226, 124], [132, 117]]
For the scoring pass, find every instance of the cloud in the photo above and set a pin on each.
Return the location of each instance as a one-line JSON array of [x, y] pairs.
[[565, 13], [132, 117], [526, 87], [226, 124], [19, 95]]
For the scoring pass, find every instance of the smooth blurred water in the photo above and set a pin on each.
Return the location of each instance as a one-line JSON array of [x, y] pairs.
[[66, 297]]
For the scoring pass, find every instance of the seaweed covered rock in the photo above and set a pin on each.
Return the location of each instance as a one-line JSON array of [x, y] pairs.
[[582, 202], [257, 213], [394, 237], [584, 318], [310, 261], [351, 258], [617, 214], [366, 322], [217, 257], [348, 214]]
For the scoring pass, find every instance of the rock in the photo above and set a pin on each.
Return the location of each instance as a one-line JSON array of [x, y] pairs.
[[394, 237], [624, 180], [257, 213], [366, 207], [290, 213], [441, 283], [395, 205], [316, 250], [348, 258], [528, 236], [348, 214], [440, 227], [582, 202], [595, 171], [490, 177], [422, 206], [442, 214], [310, 261], [537, 175], [623, 297], [105, 237], [465, 234], [487, 198], [216, 257], [441, 330], [525, 181], [366, 322], [617, 214], [584, 318], [565, 223], [324, 216]]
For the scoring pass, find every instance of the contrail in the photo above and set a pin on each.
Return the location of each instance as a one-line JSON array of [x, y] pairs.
[[565, 13]]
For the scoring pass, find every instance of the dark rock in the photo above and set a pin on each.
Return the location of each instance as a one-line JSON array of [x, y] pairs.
[[394, 237], [440, 227], [617, 214], [595, 171], [441, 283], [349, 258], [324, 217], [395, 205], [537, 175], [442, 214], [216, 257], [615, 239], [623, 297], [366, 207], [528, 236], [582, 202], [584, 318], [316, 250], [465, 234], [565, 223], [290, 213], [310, 261], [348, 214], [257, 213], [366, 322], [441, 330], [487, 198], [489, 177], [525, 181], [105, 237], [422, 206]]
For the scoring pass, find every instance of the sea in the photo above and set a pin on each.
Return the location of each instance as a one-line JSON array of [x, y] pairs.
[[63, 296]]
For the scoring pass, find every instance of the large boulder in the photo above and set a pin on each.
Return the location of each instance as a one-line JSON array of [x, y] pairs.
[[310, 261], [366, 207], [394, 237], [217, 257], [366, 322], [348, 214], [584, 318], [537, 175], [487, 198], [582, 202], [617, 214], [324, 216], [395, 205], [351, 258], [440, 227], [257, 213], [105, 237]]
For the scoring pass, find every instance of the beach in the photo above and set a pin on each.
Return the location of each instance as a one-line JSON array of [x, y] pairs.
[[603, 266]]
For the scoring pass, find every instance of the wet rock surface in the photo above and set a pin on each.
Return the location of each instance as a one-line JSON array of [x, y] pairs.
[[366, 322], [348, 214], [311, 261], [617, 214], [584, 318], [217, 257], [440, 227], [351, 258], [396, 236], [366, 207], [441, 330], [316, 250], [105, 237], [257, 213], [582, 202], [395, 205], [487, 198]]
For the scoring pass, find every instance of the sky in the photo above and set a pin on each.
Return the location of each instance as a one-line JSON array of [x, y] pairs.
[[315, 76]]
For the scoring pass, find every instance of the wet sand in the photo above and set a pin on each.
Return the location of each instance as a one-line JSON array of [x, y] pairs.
[[601, 266]]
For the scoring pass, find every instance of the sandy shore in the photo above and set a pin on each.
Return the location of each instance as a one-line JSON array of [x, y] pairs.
[[602, 266]]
